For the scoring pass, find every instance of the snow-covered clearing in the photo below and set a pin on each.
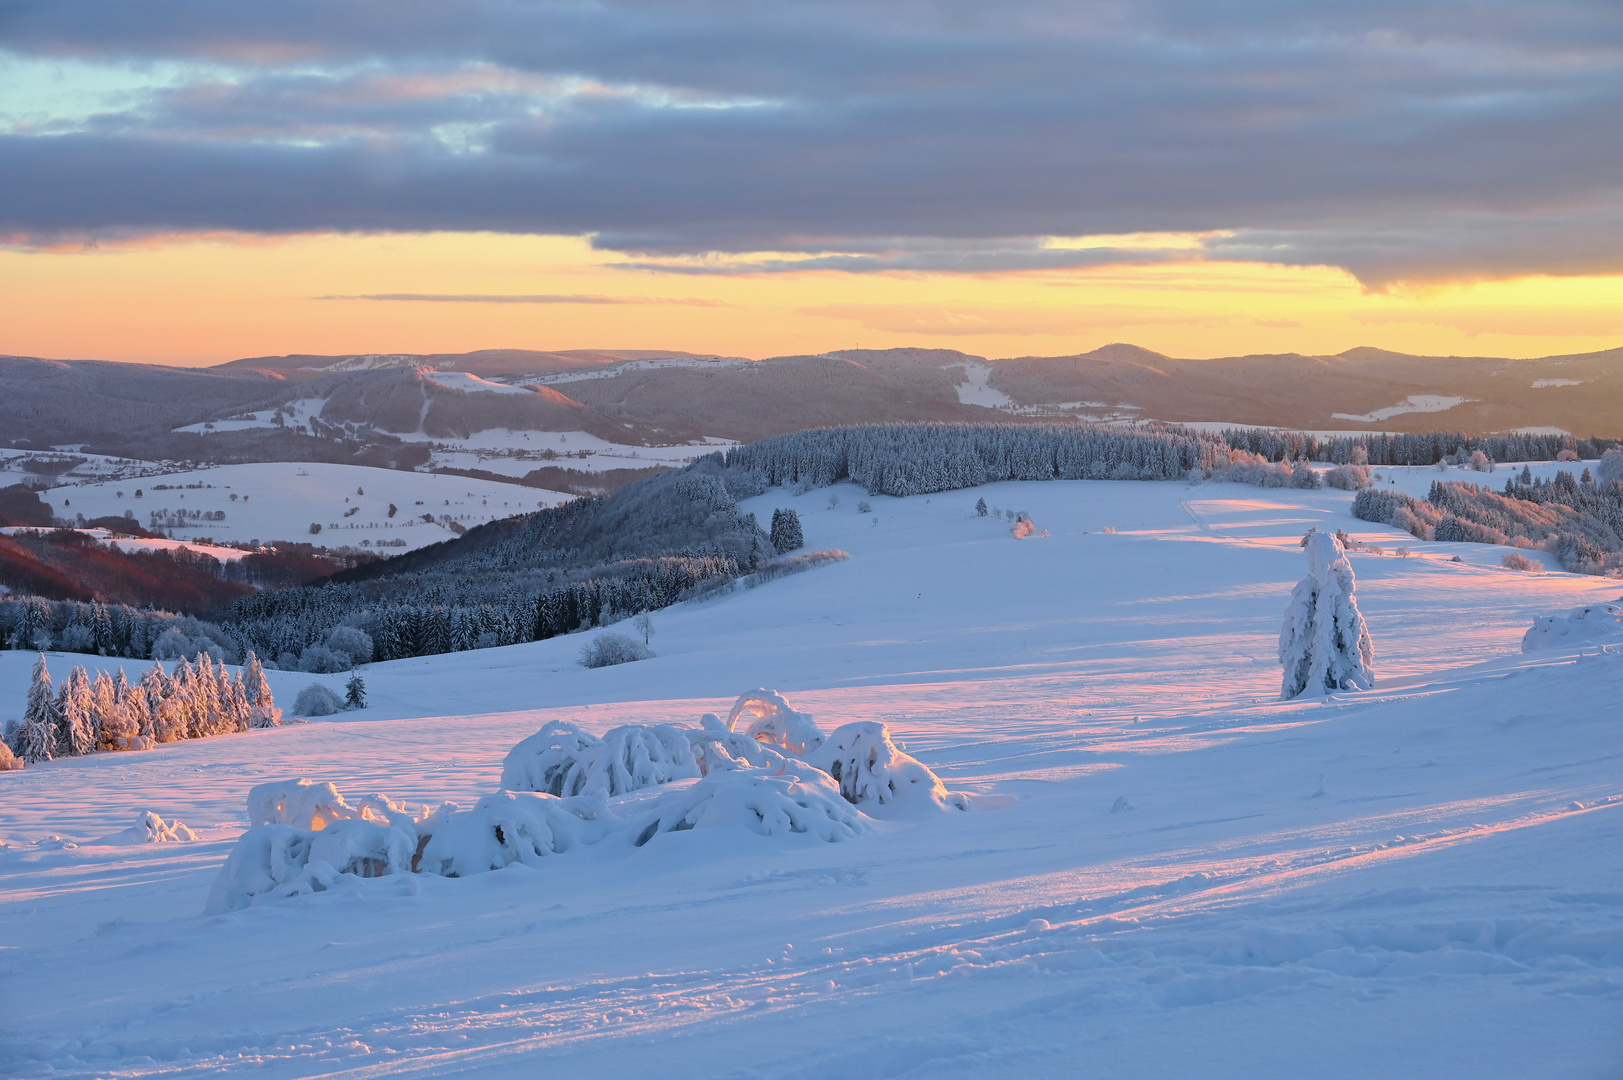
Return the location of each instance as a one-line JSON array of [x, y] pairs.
[[1189, 878], [295, 415], [1414, 403], [517, 453], [462, 380], [132, 543], [280, 500]]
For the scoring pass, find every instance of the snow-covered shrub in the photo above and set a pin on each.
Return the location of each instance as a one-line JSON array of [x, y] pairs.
[[563, 760], [267, 861], [150, 828], [606, 650], [1303, 476], [320, 660], [304, 804], [1324, 644], [716, 749], [8, 761], [872, 773], [1023, 527], [510, 827], [1480, 462], [1349, 477], [1515, 560], [756, 800], [317, 700], [353, 643], [769, 718], [365, 848], [1596, 624]]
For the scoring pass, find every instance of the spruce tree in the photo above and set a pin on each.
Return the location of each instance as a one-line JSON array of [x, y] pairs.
[[75, 726], [36, 739], [786, 534], [355, 693], [1324, 644]]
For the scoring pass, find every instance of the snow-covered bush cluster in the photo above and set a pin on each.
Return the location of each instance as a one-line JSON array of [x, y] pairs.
[[606, 650], [317, 700], [1324, 644], [767, 769], [1597, 624], [108, 713]]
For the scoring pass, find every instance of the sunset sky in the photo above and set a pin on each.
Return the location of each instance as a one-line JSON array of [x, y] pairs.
[[189, 183]]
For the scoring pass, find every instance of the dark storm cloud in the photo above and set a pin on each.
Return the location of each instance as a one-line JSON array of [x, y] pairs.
[[1401, 141]]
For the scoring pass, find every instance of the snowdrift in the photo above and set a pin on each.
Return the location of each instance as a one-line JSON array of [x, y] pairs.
[[768, 770], [1597, 624]]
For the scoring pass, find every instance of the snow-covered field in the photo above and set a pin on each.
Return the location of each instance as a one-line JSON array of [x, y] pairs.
[[280, 500], [1187, 879], [516, 453]]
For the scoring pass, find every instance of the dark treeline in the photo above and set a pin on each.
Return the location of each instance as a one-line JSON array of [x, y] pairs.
[[38, 624], [1423, 448], [917, 459], [421, 615]]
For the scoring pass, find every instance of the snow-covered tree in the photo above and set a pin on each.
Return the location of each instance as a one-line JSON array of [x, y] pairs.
[[262, 710], [786, 533], [1324, 644], [75, 724], [355, 693], [980, 507], [36, 739]]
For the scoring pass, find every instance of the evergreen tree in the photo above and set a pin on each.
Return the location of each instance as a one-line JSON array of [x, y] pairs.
[[1324, 644], [355, 693], [75, 730], [980, 507], [786, 534], [36, 739]]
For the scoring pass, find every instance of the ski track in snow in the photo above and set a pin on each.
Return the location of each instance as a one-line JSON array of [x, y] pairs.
[[1422, 880]]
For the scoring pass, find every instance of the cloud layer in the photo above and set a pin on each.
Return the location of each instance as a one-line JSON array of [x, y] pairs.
[[1421, 140]]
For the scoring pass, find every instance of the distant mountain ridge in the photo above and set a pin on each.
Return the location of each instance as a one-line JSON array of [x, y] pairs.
[[364, 403]]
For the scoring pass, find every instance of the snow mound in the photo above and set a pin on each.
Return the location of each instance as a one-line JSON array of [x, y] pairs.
[[769, 718], [759, 801], [726, 751], [873, 774], [1597, 624], [149, 828], [563, 760]]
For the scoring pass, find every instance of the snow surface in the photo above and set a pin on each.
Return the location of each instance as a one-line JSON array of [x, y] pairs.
[[283, 498], [977, 390], [462, 380], [1414, 403], [1187, 879], [297, 415]]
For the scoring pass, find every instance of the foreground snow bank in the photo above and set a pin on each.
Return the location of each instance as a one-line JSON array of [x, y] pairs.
[[1597, 624], [768, 770]]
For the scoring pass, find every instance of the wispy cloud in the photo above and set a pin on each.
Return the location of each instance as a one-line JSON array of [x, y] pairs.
[[533, 298]]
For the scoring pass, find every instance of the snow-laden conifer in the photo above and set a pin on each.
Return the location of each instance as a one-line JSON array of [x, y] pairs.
[[36, 739], [1324, 644], [786, 531], [75, 725], [262, 710]]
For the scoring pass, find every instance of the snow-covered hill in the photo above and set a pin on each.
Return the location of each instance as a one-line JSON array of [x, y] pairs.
[[1187, 877], [281, 500]]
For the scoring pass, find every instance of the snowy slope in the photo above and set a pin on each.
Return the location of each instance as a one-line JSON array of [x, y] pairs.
[[279, 501], [1189, 879]]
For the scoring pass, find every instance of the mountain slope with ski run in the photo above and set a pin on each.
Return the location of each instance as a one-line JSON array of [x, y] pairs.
[[1168, 871]]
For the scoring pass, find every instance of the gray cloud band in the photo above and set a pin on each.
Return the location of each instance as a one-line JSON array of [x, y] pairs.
[[1399, 142]]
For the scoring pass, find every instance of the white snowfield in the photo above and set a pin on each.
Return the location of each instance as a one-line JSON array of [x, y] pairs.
[[1187, 878], [280, 500], [1414, 403]]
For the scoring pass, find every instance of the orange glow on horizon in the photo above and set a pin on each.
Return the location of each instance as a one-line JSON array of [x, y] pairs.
[[202, 300]]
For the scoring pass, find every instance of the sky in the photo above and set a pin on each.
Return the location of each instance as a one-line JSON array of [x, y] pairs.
[[187, 182]]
